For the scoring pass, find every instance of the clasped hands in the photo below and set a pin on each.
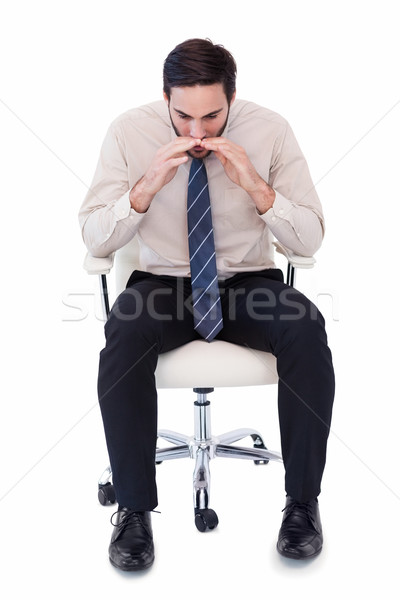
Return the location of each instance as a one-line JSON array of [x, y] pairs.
[[233, 158]]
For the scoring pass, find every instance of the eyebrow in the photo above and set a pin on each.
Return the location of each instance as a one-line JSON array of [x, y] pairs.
[[212, 113]]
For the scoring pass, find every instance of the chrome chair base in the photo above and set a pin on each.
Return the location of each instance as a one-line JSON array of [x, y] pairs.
[[202, 447]]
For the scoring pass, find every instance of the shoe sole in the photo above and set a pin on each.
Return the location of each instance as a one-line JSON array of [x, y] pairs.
[[141, 568], [293, 557]]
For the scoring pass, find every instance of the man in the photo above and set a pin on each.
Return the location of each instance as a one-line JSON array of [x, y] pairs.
[[158, 164]]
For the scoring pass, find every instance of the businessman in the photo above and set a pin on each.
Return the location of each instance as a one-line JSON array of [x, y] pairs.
[[206, 181]]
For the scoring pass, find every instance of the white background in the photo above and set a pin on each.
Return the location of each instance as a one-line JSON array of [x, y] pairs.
[[69, 68]]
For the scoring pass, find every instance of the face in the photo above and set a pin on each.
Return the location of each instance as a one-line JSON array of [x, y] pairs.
[[199, 111]]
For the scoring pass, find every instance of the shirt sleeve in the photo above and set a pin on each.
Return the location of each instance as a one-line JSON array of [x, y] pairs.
[[296, 217], [106, 218]]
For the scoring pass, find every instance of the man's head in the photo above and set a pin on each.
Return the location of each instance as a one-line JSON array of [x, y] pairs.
[[199, 62], [199, 87]]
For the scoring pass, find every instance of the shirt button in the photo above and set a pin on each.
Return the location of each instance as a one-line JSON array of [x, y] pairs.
[[281, 211]]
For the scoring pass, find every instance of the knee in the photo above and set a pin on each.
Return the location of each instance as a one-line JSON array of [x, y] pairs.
[[301, 319], [130, 320]]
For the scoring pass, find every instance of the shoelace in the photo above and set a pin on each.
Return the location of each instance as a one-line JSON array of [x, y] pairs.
[[304, 507], [303, 510], [130, 520]]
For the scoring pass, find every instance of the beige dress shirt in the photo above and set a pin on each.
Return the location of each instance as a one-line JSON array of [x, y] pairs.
[[243, 237]]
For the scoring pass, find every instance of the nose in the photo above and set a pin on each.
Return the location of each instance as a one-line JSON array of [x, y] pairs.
[[197, 129]]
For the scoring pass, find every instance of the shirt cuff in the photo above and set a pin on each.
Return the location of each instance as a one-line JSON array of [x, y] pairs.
[[123, 209], [279, 210]]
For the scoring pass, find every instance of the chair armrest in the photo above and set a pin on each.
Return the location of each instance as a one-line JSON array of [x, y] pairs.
[[297, 261], [98, 266]]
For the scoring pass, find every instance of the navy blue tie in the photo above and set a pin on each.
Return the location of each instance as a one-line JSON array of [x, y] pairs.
[[203, 268]]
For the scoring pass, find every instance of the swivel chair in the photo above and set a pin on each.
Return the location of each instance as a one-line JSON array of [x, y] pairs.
[[201, 366]]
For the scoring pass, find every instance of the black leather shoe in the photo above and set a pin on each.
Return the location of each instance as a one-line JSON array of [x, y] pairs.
[[131, 547], [300, 535]]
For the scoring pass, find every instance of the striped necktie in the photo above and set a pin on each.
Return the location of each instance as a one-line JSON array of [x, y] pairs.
[[207, 312]]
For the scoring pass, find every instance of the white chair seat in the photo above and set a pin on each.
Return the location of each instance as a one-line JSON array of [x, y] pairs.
[[200, 364]]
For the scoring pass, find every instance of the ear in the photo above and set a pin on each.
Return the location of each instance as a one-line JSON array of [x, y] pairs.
[[166, 98], [233, 98]]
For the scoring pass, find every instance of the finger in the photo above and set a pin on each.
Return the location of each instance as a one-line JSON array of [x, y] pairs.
[[216, 140], [223, 160], [227, 149], [222, 142], [224, 150], [182, 144], [212, 143], [174, 149], [176, 162]]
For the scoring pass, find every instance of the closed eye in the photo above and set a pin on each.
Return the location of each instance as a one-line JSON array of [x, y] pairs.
[[185, 117], [211, 116]]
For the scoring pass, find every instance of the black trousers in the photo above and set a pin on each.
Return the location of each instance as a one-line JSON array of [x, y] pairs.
[[153, 315]]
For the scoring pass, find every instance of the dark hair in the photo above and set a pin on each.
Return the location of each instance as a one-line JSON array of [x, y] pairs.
[[199, 62]]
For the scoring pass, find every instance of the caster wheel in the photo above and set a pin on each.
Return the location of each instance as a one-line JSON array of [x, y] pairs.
[[258, 443], [106, 494], [205, 519]]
